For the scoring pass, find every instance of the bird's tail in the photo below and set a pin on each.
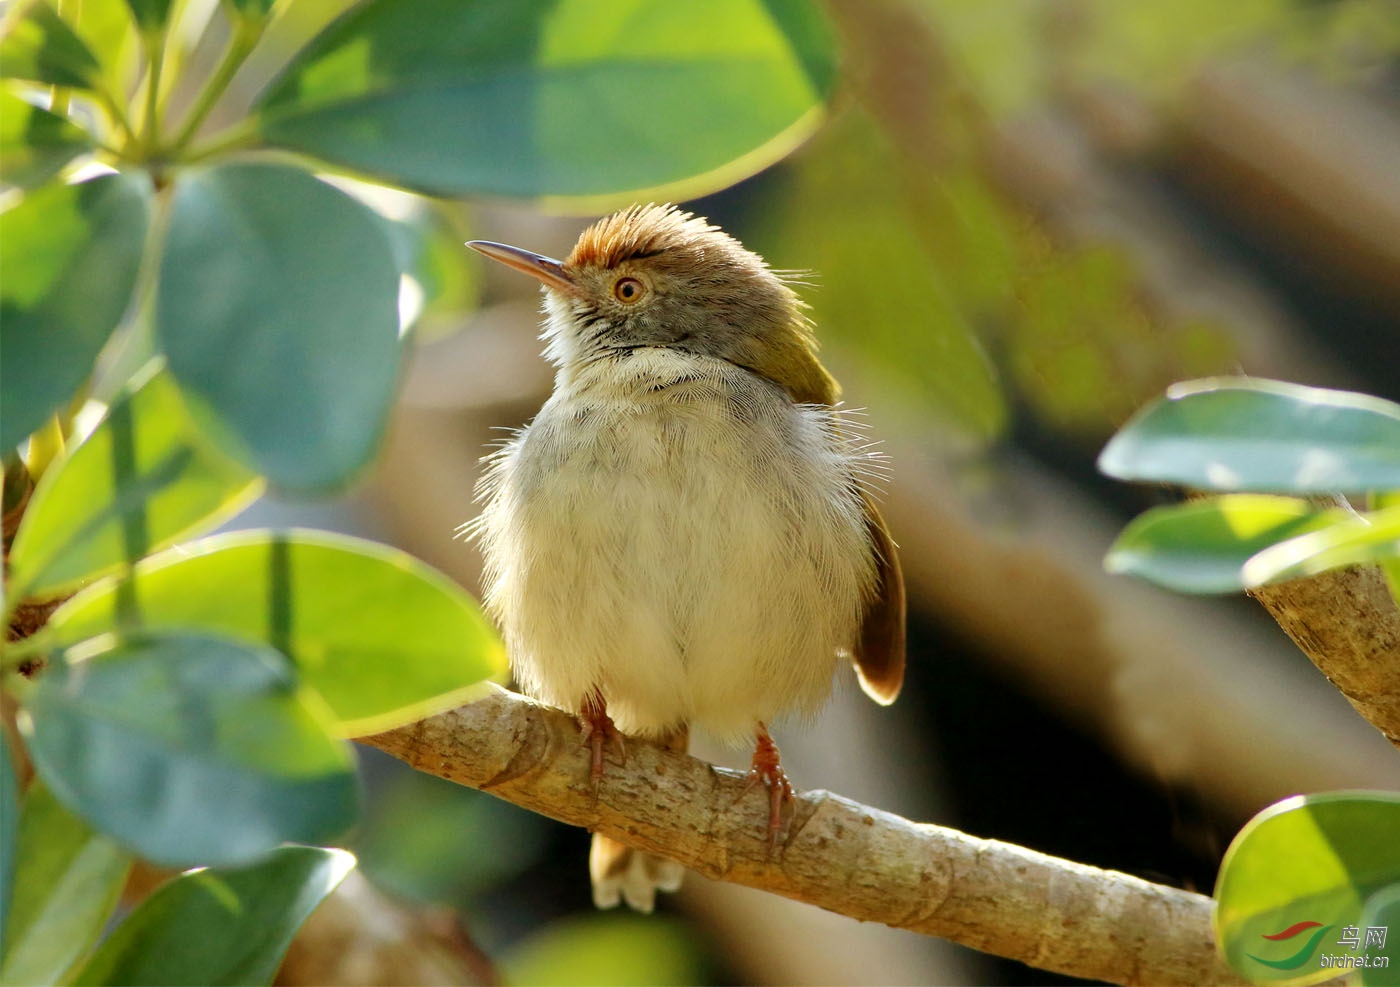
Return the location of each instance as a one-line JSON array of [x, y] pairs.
[[621, 873]]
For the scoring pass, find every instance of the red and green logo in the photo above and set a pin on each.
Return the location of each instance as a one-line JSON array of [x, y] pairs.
[[1302, 955]]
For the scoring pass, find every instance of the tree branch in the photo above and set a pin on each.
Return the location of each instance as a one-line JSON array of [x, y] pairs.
[[1346, 621], [838, 854]]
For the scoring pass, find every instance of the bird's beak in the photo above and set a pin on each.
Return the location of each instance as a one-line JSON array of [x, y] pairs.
[[552, 272]]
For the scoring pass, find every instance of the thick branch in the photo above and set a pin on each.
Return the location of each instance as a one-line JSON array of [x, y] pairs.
[[1346, 621], [848, 858]]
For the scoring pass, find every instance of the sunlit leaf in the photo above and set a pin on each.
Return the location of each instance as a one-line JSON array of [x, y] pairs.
[[143, 479], [189, 748], [1202, 546], [278, 311], [34, 143], [219, 926], [42, 48], [1298, 874], [1245, 434], [70, 254], [1352, 540], [67, 883], [382, 637], [554, 98]]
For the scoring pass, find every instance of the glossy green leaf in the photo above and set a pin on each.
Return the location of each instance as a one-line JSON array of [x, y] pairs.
[[1381, 950], [66, 886], [42, 48], [606, 951], [556, 97], [34, 143], [144, 478], [1202, 546], [383, 638], [219, 926], [9, 833], [1298, 875], [1232, 433], [70, 254], [1350, 540], [278, 310], [189, 748]]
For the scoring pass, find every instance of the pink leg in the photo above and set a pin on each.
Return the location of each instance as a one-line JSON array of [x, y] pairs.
[[597, 729], [768, 769]]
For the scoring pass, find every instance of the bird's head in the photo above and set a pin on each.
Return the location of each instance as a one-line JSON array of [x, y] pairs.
[[655, 276]]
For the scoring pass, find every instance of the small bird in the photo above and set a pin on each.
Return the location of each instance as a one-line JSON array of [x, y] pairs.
[[684, 536]]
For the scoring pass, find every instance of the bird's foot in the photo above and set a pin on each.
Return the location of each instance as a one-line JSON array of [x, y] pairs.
[[768, 769], [597, 729]]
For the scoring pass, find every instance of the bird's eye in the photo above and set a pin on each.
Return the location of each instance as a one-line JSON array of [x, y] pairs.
[[629, 290]]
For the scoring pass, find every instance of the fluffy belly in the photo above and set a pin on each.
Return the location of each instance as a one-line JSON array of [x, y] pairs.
[[693, 558]]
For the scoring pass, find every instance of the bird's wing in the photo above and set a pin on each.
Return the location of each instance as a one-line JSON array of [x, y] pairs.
[[879, 653]]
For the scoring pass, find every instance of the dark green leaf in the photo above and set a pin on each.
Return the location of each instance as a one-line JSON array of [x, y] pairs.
[[9, 832], [556, 97], [256, 10], [150, 15], [67, 883], [1350, 540], [219, 926], [143, 479], [1202, 546], [278, 309], [1244, 434], [383, 638], [189, 748], [1313, 860], [70, 254], [1382, 911], [42, 48], [35, 144]]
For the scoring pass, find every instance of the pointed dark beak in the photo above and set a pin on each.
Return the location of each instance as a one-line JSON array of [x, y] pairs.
[[547, 269]]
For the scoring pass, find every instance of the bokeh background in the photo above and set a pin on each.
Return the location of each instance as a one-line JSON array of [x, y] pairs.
[[1022, 219]]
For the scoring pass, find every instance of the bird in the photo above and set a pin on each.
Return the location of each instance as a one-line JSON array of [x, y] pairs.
[[686, 534]]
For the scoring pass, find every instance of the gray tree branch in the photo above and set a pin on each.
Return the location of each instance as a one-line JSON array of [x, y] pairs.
[[848, 858]]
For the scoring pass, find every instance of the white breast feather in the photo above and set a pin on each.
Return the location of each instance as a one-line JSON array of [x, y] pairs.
[[697, 552]]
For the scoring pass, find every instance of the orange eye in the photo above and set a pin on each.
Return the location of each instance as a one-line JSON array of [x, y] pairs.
[[629, 290]]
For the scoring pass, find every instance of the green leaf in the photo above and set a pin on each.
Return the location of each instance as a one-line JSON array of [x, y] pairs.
[[219, 926], [606, 951], [9, 833], [1238, 433], [150, 15], [67, 883], [1202, 546], [42, 48], [189, 748], [34, 143], [70, 254], [556, 97], [878, 285], [1298, 874], [1350, 540], [278, 309], [143, 479], [1382, 911], [383, 638]]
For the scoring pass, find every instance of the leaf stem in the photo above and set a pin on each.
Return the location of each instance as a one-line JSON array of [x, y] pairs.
[[246, 32], [240, 135], [153, 40]]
